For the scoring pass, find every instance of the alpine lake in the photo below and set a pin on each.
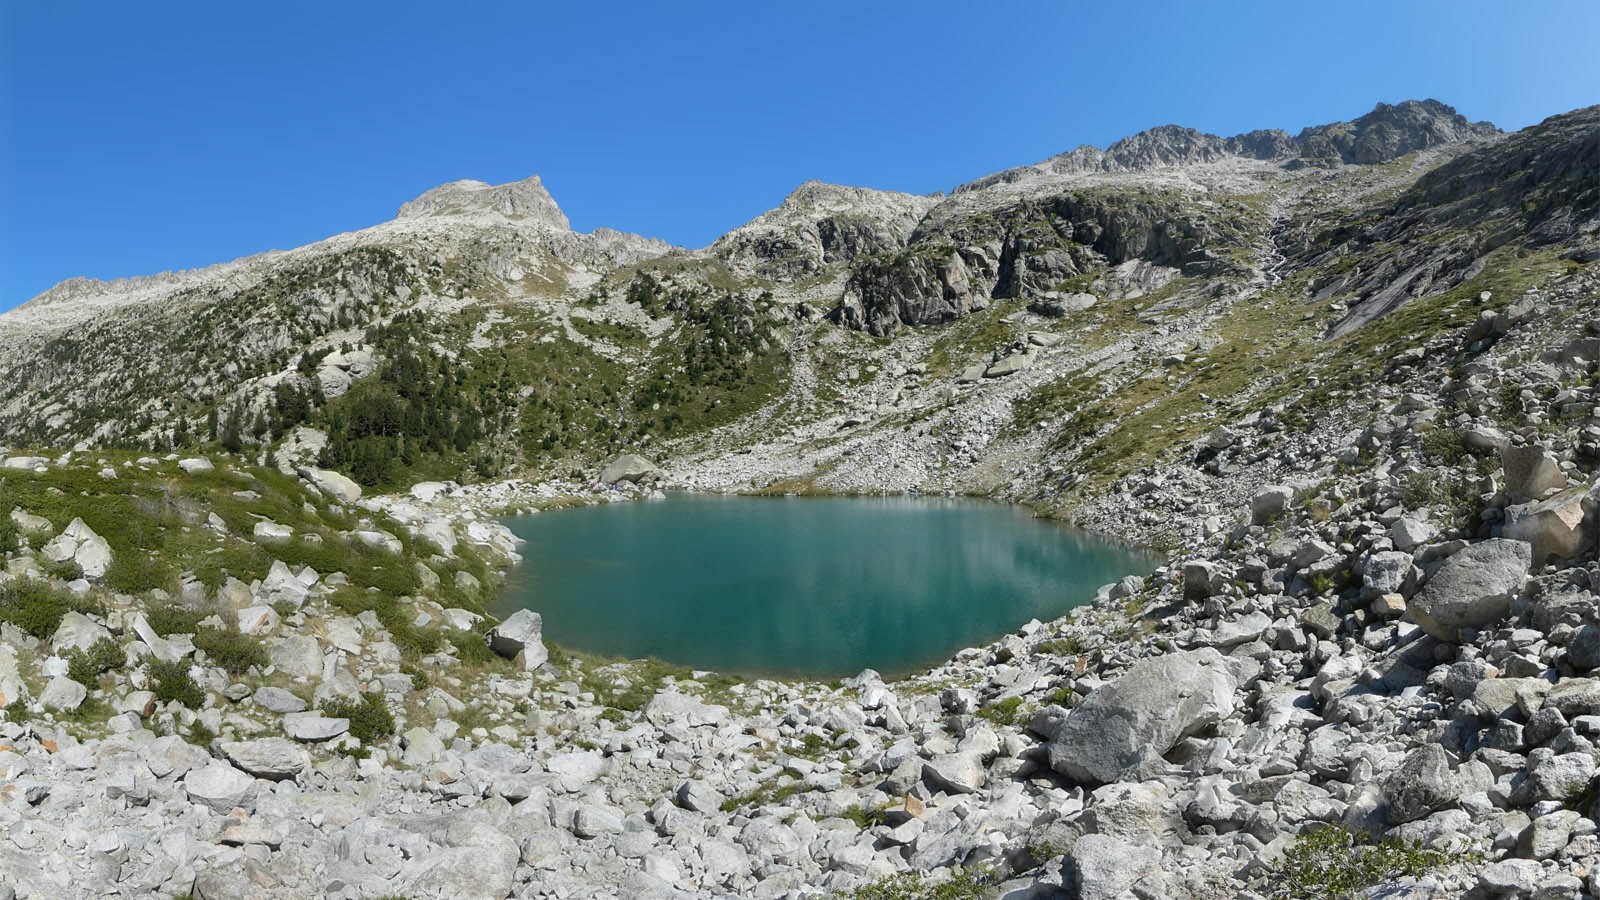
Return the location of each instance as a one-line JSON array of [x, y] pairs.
[[817, 587]]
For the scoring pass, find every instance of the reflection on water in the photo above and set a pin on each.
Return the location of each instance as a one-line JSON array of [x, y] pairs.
[[802, 586]]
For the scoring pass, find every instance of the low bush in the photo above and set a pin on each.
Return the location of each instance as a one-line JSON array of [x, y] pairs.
[[1334, 862], [231, 649], [369, 717], [37, 606], [173, 683], [9, 539], [915, 886], [85, 666], [167, 619]]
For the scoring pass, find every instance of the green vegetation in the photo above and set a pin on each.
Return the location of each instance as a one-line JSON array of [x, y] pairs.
[[230, 649], [370, 718], [1332, 862], [37, 607], [85, 666], [9, 535], [1002, 712], [173, 683], [766, 795], [866, 817], [167, 618], [961, 885]]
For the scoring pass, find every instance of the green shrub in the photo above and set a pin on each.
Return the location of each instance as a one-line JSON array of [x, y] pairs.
[[1333, 862], [167, 619], [9, 539], [231, 649], [133, 572], [65, 570], [369, 717], [175, 684], [37, 606], [85, 666], [914, 886]]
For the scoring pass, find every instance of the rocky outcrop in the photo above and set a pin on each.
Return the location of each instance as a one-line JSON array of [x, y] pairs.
[[1122, 730], [525, 200]]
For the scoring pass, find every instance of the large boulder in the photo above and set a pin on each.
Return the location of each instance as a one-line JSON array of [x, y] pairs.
[[81, 545], [630, 467], [335, 485], [519, 637], [1473, 588], [1122, 729], [1424, 784], [1530, 472], [271, 758], [1556, 527], [1104, 867], [220, 787], [77, 632]]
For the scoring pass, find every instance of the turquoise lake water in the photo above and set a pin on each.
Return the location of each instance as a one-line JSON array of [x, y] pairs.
[[797, 586]]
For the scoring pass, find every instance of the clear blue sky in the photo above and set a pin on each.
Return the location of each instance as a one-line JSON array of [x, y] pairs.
[[139, 137]]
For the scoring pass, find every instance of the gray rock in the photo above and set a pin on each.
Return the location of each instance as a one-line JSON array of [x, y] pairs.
[[956, 773], [1547, 835], [479, 863], [298, 656], [220, 787], [77, 632], [1424, 783], [278, 700], [671, 706], [1124, 728], [271, 758], [519, 637], [630, 467], [1408, 533], [63, 693], [421, 747], [335, 485], [1269, 503], [1555, 527], [312, 728], [1530, 472], [1473, 588], [1107, 868], [696, 796], [591, 821]]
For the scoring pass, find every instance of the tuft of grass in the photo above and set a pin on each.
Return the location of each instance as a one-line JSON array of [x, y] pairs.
[[1002, 712], [766, 795], [369, 717], [867, 816]]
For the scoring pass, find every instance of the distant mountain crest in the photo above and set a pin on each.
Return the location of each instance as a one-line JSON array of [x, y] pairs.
[[1388, 132], [526, 199]]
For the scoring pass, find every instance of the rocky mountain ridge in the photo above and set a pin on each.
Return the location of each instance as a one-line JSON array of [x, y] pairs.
[[1355, 401]]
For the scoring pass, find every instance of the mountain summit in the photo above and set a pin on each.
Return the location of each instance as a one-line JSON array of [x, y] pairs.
[[522, 200]]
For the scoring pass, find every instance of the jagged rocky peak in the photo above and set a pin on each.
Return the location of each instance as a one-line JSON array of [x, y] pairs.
[[1388, 132], [1391, 131], [819, 224], [525, 200]]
